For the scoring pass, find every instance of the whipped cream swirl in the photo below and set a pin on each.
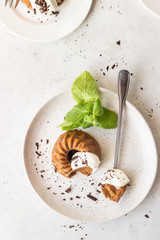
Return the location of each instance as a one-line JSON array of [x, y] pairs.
[[115, 177], [85, 159]]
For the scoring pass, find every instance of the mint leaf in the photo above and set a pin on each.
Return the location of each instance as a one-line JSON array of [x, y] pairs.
[[85, 89], [107, 121], [88, 121], [74, 118], [69, 125], [77, 113], [88, 118], [87, 124], [97, 108]]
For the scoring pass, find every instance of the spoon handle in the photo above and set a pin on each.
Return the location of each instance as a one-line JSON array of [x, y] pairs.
[[123, 86]]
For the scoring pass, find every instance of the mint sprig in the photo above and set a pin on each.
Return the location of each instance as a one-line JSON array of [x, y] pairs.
[[89, 110]]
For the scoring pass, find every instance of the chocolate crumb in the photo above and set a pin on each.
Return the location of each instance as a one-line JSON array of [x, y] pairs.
[[42, 176], [55, 170], [37, 145], [150, 115], [131, 74], [104, 73], [100, 55], [71, 198], [92, 197], [71, 226], [146, 215], [92, 184], [62, 193], [113, 66], [141, 88], [68, 190], [99, 184], [78, 197], [54, 193], [64, 199], [118, 42], [107, 68], [55, 13], [47, 141], [49, 188], [98, 191]]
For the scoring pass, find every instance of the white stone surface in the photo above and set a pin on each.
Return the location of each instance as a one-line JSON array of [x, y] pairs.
[[31, 73]]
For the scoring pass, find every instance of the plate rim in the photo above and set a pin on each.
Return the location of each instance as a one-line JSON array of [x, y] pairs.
[[154, 145], [23, 36], [149, 10]]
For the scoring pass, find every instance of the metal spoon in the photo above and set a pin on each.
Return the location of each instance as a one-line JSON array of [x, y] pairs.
[[123, 86]]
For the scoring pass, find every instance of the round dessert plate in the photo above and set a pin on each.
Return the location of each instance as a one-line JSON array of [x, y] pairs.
[[41, 27], [138, 159], [152, 5]]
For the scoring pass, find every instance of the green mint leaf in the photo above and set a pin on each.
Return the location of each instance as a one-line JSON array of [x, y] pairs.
[[107, 121], [85, 89], [88, 121], [88, 118], [97, 108], [74, 118], [69, 125], [77, 113], [87, 124]]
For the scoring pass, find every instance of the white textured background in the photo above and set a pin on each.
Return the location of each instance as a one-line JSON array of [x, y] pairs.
[[31, 73]]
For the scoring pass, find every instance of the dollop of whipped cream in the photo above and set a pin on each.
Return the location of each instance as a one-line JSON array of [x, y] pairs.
[[85, 159], [115, 177]]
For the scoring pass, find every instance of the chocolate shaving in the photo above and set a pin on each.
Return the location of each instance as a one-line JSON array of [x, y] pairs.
[[118, 42], [37, 145], [39, 154], [71, 226], [146, 215], [68, 190], [92, 197]]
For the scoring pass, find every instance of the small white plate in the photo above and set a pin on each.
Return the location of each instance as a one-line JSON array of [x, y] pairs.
[[41, 27], [138, 158], [152, 5]]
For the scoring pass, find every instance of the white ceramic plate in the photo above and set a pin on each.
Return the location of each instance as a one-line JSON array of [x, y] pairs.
[[29, 26], [138, 158], [153, 5]]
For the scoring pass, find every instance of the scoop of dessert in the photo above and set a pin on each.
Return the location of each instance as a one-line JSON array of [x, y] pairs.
[[114, 184], [76, 151], [86, 161]]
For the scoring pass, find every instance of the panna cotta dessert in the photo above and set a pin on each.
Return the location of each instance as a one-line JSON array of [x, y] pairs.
[[76, 151]]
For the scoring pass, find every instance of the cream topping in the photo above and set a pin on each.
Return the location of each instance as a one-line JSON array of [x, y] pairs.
[[115, 177], [85, 159]]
